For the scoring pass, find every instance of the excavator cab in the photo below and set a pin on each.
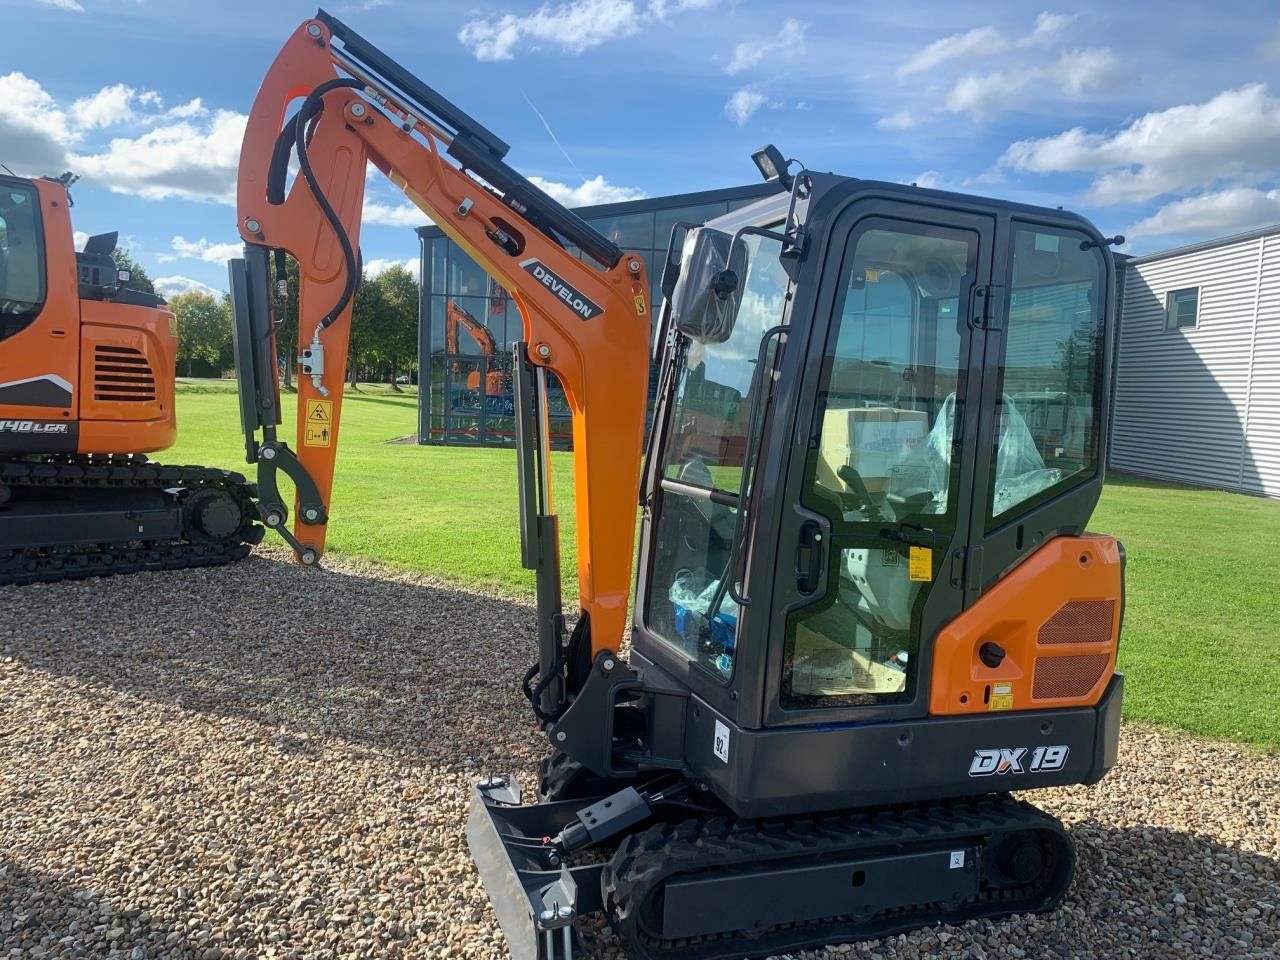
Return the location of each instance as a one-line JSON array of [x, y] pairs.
[[864, 592]]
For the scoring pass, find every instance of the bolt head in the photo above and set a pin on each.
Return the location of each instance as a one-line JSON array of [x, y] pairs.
[[485, 784], [268, 453], [565, 912], [273, 519], [497, 782], [633, 265], [308, 557], [313, 29], [561, 737], [357, 109], [312, 513], [252, 225], [608, 664], [544, 351], [546, 916]]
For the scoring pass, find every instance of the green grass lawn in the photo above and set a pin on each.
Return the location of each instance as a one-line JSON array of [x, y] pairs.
[[1201, 646]]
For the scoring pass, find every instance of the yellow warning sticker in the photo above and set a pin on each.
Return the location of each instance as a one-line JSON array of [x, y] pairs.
[[319, 432], [1001, 697], [641, 308], [872, 275], [920, 564]]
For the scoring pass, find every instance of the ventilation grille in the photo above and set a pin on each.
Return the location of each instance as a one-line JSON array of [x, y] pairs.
[[1063, 678], [122, 374], [1080, 621]]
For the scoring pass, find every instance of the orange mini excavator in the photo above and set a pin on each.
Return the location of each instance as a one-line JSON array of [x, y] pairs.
[[86, 392], [866, 608], [495, 381]]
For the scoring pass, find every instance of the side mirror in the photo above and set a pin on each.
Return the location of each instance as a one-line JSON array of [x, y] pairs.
[[712, 273]]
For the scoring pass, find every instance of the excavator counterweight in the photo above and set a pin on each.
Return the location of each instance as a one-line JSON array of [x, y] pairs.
[[866, 607]]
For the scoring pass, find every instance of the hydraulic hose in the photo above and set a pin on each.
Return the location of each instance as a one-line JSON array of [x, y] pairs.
[[310, 110]]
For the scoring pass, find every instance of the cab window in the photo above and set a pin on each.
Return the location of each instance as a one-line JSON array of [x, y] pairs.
[[21, 259]]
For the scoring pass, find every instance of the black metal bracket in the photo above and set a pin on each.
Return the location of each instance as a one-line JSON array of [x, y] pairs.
[[585, 731]]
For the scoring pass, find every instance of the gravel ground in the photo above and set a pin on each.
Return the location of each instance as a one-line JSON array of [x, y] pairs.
[[260, 761]]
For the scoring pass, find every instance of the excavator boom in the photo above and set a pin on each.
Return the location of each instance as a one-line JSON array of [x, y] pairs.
[[585, 321]]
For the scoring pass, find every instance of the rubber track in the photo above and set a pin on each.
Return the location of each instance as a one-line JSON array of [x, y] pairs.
[[21, 566], [646, 860]]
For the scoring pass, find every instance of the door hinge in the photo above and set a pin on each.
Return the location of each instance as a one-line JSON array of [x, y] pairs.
[[985, 314], [966, 569]]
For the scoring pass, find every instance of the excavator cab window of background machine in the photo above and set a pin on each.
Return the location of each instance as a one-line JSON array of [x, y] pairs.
[[865, 607], [21, 259]]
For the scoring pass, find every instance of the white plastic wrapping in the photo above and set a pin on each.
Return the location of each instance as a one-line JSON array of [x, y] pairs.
[[1020, 470]]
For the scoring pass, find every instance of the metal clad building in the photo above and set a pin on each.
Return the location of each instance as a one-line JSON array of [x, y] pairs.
[[1197, 387], [468, 324]]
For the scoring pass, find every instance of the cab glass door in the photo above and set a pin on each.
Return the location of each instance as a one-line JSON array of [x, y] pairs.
[[881, 493]]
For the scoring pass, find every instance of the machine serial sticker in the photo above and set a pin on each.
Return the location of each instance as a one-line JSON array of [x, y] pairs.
[[578, 302], [319, 431], [641, 309], [1001, 696], [957, 859], [721, 742], [920, 564]]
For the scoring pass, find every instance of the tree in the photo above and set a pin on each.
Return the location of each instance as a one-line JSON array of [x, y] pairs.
[[138, 279], [396, 336], [365, 316], [204, 325]]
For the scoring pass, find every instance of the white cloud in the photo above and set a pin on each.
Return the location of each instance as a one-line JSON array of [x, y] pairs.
[[901, 120], [71, 5], [34, 130], [743, 104], [1073, 74], [183, 159], [788, 44], [588, 193], [929, 180], [394, 214], [572, 27], [660, 8], [379, 266], [1232, 137], [182, 154], [108, 106], [202, 249], [80, 238], [979, 40], [185, 111], [1226, 211], [172, 286], [982, 42]]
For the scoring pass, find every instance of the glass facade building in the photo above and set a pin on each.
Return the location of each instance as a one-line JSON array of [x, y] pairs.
[[468, 324]]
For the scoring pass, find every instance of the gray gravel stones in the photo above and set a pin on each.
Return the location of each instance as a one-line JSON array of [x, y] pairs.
[[266, 761]]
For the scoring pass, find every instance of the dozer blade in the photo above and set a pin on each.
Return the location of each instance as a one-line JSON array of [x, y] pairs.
[[537, 899]]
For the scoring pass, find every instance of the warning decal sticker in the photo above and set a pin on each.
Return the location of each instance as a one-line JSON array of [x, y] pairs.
[[319, 432], [1001, 697], [920, 564]]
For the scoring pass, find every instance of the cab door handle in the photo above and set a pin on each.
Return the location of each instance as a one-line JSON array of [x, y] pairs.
[[811, 551]]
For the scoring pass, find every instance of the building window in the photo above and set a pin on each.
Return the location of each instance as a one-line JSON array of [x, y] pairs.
[[1181, 308]]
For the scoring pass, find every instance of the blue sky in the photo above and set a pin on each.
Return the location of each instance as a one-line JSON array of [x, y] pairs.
[[1158, 120]]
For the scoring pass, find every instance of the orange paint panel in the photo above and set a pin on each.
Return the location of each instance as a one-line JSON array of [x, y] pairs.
[[1057, 617], [48, 346]]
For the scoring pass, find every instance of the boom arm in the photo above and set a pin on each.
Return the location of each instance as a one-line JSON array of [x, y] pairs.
[[586, 322], [456, 317]]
